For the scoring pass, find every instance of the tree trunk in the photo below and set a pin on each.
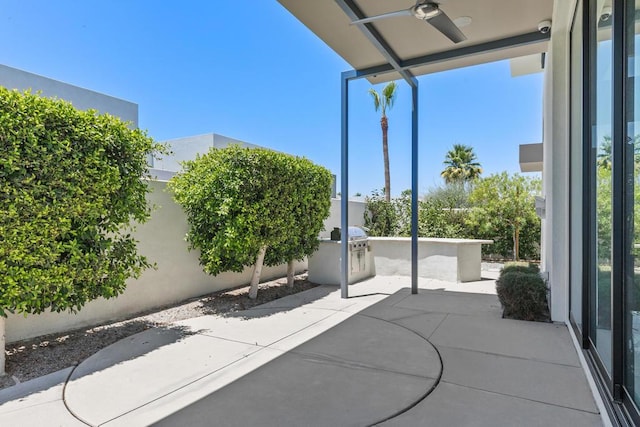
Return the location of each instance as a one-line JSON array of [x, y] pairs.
[[516, 244], [2, 353], [385, 152], [257, 269], [290, 272]]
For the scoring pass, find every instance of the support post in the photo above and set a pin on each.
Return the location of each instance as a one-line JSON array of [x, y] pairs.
[[344, 186], [414, 188]]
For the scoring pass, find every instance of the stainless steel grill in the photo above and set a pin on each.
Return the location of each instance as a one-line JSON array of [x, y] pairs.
[[325, 265], [358, 245]]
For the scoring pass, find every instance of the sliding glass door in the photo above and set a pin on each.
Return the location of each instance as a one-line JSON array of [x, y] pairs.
[[600, 169], [605, 196], [632, 205]]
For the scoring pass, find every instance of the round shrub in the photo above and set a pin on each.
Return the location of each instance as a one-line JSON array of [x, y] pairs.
[[523, 267], [239, 200], [523, 295]]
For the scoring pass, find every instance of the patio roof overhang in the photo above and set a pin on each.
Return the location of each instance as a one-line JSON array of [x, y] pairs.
[[403, 47], [499, 29]]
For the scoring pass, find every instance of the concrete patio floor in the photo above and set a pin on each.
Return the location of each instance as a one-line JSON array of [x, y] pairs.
[[443, 357]]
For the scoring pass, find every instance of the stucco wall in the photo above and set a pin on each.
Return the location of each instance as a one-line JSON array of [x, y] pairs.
[[188, 147], [81, 98], [178, 277], [356, 216], [555, 175]]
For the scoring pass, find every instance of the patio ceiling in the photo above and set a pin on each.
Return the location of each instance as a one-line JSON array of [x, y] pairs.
[[414, 41]]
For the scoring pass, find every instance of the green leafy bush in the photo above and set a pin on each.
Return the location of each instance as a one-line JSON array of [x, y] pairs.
[[520, 266], [70, 190], [438, 215], [240, 202], [381, 218], [437, 219], [522, 293]]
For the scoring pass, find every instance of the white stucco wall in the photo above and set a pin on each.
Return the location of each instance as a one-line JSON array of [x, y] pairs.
[[81, 98], [555, 229], [188, 147], [356, 216], [178, 277]]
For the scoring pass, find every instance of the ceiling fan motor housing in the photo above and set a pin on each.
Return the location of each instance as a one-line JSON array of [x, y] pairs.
[[426, 11]]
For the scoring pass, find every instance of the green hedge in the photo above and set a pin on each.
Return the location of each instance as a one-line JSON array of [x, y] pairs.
[[70, 188], [238, 200]]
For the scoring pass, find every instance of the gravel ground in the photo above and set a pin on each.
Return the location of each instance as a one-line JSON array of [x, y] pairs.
[[46, 354]]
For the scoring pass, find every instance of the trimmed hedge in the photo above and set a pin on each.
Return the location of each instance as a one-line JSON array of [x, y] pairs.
[[522, 293], [70, 191], [522, 267], [238, 200]]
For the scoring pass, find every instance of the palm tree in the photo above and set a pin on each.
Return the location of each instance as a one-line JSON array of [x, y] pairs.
[[382, 102], [461, 165]]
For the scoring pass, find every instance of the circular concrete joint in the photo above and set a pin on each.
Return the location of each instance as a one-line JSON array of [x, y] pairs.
[[362, 371]]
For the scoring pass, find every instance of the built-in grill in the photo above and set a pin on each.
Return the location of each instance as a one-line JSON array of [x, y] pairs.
[[324, 265], [358, 246]]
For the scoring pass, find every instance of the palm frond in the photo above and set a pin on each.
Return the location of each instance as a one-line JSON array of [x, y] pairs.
[[376, 98], [389, 94]]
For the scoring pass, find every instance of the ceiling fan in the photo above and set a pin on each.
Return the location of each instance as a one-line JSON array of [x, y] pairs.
[[427, 11]]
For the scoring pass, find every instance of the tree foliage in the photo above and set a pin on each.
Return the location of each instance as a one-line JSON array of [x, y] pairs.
[[461, 165], [454, 195], [501, 201], [438, 215], [239, 200], [71, 189], [438, 219], [381, 217]]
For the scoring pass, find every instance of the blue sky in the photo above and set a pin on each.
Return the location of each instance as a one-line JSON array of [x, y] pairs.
[[253, 72]]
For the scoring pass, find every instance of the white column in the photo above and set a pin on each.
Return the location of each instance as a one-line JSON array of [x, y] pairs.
[[555, 238]]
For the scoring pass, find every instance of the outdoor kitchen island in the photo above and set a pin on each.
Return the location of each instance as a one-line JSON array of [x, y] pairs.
[[452, 260]]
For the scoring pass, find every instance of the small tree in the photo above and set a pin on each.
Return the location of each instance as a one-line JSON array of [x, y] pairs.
[[252, 206], [70, 191], [500, 200]]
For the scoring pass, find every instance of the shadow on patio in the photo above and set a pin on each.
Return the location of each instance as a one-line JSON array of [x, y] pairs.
[[438, 358]]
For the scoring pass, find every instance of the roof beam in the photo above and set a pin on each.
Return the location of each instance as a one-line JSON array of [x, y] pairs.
[[354, 13], [506, 43]]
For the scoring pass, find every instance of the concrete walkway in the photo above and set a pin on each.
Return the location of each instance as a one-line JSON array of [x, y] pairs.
[[443, 357]]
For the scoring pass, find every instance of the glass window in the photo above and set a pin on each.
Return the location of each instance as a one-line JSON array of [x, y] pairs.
[[576, 167], [601, 169], [632, 207]]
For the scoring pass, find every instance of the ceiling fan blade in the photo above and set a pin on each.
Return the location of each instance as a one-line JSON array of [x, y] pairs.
[[405, 12], [442, 23]]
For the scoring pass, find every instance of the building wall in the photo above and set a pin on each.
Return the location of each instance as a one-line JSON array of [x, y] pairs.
[[555, 229], [81, 98], [356, 216], [178, 276], [188, 147]]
